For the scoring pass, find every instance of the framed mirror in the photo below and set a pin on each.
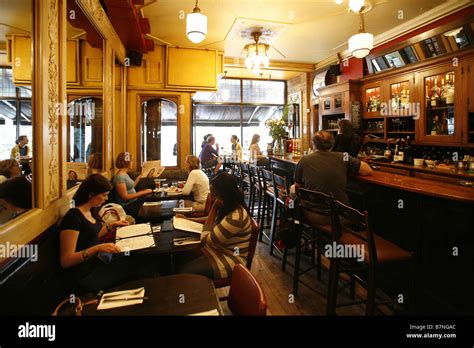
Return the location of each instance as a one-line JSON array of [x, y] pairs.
[[85, 116], [159, 130], [16, 108]]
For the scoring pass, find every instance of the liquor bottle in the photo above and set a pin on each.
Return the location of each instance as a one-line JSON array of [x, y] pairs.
[[401, 151], [377, 105], [408, 151], [388, 152]]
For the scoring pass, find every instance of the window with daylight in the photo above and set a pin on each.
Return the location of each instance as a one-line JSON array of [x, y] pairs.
[[159, 131], [239, 107]]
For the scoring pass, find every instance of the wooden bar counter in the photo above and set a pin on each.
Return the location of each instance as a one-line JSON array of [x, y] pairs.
[[431, 216], [384, 177]]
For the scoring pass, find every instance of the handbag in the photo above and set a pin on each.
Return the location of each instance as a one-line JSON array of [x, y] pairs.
[[74, 308]]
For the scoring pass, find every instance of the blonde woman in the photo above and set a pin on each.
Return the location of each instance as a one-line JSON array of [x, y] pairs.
[[255, 154], [197, 183]]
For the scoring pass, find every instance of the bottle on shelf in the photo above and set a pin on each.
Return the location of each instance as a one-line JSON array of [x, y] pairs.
[[408, 151], [388, 152], [401, 151]]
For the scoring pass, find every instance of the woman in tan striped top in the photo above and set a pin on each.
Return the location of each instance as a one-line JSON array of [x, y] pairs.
[[226, 233]]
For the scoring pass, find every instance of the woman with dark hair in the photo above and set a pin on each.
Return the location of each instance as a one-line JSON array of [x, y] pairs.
[[347, 140], [9, 168], [80, 250], [15, 197], [226, 233], [236, 148], [204, 142]]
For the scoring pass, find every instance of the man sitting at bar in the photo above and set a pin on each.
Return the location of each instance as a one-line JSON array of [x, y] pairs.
[[209, 155], [327, 171]]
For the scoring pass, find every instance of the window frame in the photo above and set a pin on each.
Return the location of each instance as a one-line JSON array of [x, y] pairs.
[[143, 98], [241, 104]]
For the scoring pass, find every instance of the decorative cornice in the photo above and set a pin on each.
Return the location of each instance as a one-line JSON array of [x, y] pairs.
[[98, 18]]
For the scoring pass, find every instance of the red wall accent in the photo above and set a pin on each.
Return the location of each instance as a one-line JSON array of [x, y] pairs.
[[355, 67]]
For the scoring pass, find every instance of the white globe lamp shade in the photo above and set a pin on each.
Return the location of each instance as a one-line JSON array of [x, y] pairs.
[[361, 44], [356, 5], [196, 27]]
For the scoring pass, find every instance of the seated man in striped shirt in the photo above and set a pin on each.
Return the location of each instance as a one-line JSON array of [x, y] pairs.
[[226, 233]]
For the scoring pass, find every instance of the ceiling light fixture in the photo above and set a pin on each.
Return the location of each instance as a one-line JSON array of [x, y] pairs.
[[256, 54], [196, 25], [356, 5], [360, 44]]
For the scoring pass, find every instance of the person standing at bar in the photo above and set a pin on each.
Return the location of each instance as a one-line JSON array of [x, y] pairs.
[[209, 155], [347, 140]]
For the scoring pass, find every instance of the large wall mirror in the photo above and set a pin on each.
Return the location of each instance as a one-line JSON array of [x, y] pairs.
[[85, 116], [16, 112], [84, 138], [159, 131]]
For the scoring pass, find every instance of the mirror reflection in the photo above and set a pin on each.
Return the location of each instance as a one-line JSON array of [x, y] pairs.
[[16, 113]]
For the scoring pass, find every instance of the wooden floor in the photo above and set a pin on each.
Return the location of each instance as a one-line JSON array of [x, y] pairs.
[[278, 287]]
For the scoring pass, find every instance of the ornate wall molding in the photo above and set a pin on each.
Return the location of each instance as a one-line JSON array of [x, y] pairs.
[[53, 98], [98, 18]]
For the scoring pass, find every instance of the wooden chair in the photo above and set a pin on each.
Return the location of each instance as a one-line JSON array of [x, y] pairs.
[[268, 204], [315, 233], [220, 283], [282, 192], [352, 228], [255, 198], [246, 296]]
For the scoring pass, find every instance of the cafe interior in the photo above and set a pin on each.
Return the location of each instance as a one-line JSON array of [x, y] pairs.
[[217, 157]]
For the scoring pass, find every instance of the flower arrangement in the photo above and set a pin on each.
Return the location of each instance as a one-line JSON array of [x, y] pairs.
[[277, 127]]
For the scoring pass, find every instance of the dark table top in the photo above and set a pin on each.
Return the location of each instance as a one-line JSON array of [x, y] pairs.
[[197, 294], [159, 213]]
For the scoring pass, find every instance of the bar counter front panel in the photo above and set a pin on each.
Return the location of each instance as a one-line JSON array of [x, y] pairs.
[[431, 218]]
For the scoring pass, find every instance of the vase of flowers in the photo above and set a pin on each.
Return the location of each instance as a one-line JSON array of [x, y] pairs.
[[276, 129]]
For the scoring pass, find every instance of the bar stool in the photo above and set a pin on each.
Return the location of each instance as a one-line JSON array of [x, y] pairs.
[[269, 202], [314, 225], [245, 177], [256, 191], [352, 228], [235, 171], [282, 192]]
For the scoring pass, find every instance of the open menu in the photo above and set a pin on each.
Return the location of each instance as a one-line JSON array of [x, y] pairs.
[[187, 225], [152, 169], [134, 237]]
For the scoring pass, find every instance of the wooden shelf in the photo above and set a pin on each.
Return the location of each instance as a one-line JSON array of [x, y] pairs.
[[397, 132], [369, 132], [377, 141], [440, 107]]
